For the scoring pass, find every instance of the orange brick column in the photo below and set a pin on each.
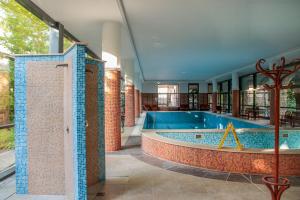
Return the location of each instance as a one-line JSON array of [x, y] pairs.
[[214, 102], [141, 107], [112, 110], [129, 106], [136, 103], [235, 103], [139, 103]]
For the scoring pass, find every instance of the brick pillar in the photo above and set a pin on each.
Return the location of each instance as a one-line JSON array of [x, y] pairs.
[[129, 106], [112, 110], [214, 102], [139, 103], [272, 107], [235, 103], [141, 107], [136, 103]]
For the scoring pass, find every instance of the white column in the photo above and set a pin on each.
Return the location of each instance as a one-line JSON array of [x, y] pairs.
[[235, 81], [111, 44], [128, 66], [53, 40], [215, 86]]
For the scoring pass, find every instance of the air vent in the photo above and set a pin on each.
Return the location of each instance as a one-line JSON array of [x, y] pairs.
[[285, 135]]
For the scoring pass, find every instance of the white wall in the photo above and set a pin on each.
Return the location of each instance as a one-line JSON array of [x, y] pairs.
[[151, 86]]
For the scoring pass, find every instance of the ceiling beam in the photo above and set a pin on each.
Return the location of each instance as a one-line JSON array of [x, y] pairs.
[[127, 24]]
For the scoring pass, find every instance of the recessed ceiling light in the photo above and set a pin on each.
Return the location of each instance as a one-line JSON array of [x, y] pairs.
[[158, 45]]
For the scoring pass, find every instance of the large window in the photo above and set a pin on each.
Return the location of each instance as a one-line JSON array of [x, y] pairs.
[[253, 96], [168, 96], [224, 95]]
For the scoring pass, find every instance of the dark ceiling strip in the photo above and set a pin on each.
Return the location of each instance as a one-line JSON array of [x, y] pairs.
[[126, 21], [37, 11]]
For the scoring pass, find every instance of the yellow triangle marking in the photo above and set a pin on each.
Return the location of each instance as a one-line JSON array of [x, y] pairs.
[[231, 128]]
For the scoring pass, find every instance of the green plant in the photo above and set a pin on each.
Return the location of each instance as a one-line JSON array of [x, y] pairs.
[[7, 139]]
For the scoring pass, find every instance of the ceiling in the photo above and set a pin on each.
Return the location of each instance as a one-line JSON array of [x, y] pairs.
[[188, 39], [82, 18]]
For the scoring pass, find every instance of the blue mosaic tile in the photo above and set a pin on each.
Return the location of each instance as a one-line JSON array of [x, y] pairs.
[[78, 56], [20, 119]]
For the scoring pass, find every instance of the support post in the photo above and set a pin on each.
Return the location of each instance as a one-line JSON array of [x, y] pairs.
[[60, 38]]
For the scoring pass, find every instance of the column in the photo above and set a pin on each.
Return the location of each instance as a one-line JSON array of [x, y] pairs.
[[214, 96], [128, 66], [141, 106], [235, 95], [136, 103], [112, 110], [111, 37], [129, 105], [53, 40], [139, 103]]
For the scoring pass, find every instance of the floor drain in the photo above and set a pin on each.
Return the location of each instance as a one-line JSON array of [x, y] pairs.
[[100, 194]]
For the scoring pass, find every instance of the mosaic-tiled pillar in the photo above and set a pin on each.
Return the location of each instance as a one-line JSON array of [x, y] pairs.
[[136, 103], [112, 110], [129, 105], [214, 102], [101, 121], [73, 59], [235, 103]]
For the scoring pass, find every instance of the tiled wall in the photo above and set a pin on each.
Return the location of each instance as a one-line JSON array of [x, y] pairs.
[[92, 162], [112, 110], [238, 162], [77, 56], [21, 131], [45, 103], [129, 106], [101, 121]]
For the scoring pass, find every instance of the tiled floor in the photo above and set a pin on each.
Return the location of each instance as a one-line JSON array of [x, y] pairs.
[[133, 175], [130, 178]]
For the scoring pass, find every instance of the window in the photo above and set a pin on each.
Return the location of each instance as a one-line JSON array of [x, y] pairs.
[[168, 96]]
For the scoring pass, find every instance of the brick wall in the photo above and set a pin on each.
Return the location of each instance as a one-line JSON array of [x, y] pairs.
[[129, 106], [112, 110]]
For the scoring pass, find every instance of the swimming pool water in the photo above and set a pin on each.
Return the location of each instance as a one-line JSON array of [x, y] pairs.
[[260, 140], [192, 120]]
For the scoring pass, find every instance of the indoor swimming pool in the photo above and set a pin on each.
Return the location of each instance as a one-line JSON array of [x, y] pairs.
[[193, 120]]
